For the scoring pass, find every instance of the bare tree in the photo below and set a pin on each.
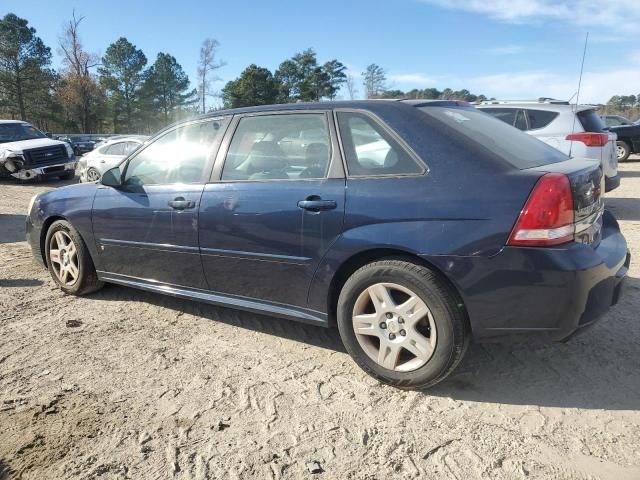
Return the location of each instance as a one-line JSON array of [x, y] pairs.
[[207, 65], [351, 86], [80, 89]]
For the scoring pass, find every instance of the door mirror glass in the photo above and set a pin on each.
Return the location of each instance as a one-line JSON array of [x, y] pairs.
[[112, 177]]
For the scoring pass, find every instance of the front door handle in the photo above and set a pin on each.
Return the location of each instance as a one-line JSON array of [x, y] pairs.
[[179, 203], [316, 204]]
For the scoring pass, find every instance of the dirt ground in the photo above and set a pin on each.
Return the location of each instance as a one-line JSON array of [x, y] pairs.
[[128, 384]]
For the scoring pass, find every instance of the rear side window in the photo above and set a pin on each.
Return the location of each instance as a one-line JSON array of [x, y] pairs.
[[521, 121], [514, 147], [370, 150], [279, 147], [507, 115], [116, 149], [540, 118], [590, 121]]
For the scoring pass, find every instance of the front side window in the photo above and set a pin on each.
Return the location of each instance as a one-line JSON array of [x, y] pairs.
[[370, 150], [179, 156], [279, 147]]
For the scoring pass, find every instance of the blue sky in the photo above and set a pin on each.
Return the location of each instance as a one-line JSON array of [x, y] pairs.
[[502, 48]]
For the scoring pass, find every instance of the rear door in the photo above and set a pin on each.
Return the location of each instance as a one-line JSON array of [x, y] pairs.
[[274, 206], [148, 228]]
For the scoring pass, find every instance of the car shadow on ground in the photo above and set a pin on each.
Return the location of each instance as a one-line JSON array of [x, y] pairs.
[[53, 182], [624, 208], [296, 331], [12, 228], [20, 282], [5, 470], [581, 373]]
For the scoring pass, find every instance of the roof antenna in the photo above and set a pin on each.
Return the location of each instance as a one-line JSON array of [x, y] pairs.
[[577, 94]]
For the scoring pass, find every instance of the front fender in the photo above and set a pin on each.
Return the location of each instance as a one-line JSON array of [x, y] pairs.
[[74, 204]]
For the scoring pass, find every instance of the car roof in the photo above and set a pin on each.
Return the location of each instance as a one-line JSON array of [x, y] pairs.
[[14, 121], [109, 141], [376, 104], [552, 107]]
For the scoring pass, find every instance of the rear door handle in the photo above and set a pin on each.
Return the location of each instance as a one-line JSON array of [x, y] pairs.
[[179, 203], [317, 204]]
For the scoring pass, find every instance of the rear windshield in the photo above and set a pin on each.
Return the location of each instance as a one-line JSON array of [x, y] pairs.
[[590, 121], [517, 148]]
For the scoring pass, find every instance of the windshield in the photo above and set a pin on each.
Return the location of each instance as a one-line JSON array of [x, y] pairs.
[[14, 132], [517, 148]]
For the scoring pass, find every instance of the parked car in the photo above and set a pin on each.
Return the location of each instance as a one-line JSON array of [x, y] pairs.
[[82, 145], [574, 130], [106, 156], [27, 153], [615, 120], [468, 229], [628, 135]]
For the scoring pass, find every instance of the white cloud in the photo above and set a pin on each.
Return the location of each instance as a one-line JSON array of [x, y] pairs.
[[597, 87], [609, 15], [506, 50]]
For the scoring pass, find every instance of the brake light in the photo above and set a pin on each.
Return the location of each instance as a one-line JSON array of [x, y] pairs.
[[547, 218], [590, 139]]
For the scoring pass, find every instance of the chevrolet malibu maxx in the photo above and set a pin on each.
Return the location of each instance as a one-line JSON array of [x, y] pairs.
[[414, 226]]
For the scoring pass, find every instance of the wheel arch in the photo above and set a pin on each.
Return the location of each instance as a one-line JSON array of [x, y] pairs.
[[360, 259]]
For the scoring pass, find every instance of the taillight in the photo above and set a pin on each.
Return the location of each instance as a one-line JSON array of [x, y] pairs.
[[547, 218], [590, 139]]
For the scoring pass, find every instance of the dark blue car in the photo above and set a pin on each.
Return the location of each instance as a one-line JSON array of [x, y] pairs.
[[416, 226]]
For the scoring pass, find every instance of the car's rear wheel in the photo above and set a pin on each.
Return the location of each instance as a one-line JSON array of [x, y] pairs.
[[92, 175], [402, 323], [622, 150], [69, 261]]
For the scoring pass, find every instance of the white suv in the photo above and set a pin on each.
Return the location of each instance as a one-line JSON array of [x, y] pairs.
[[576, 130]]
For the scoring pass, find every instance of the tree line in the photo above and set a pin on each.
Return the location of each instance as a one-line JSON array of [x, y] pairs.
[[118, 92]]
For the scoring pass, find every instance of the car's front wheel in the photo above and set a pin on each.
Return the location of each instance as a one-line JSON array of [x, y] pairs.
[[69, 261], [622, 150], [402, 323]]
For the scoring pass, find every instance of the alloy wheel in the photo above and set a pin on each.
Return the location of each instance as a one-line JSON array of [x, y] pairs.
[[394, 327], [620, 152], [64, 258], [93, 175]]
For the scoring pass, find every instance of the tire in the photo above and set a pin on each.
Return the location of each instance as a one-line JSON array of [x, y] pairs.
[[61, 237], [443, 328], [67, 175], [622, 150]]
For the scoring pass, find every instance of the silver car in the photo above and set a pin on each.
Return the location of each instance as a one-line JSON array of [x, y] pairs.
[[106, 156], [575, 130]]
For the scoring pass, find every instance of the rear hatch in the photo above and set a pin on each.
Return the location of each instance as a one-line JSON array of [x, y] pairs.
[[592, 123]]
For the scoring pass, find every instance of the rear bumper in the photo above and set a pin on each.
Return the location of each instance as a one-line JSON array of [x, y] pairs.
[[611, 183], [544, 292]]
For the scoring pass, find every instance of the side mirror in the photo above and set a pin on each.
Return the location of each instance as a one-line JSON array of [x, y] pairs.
[[112, 177]]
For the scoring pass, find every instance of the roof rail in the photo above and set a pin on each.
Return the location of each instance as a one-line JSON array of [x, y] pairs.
[[539, 100]]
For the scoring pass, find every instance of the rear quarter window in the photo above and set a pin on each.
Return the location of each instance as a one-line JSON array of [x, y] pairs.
[[514, 147], [540, 118], [590, 121]]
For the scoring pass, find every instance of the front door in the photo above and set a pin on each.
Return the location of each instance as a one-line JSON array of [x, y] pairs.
[[148, 228], [276, 209]]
